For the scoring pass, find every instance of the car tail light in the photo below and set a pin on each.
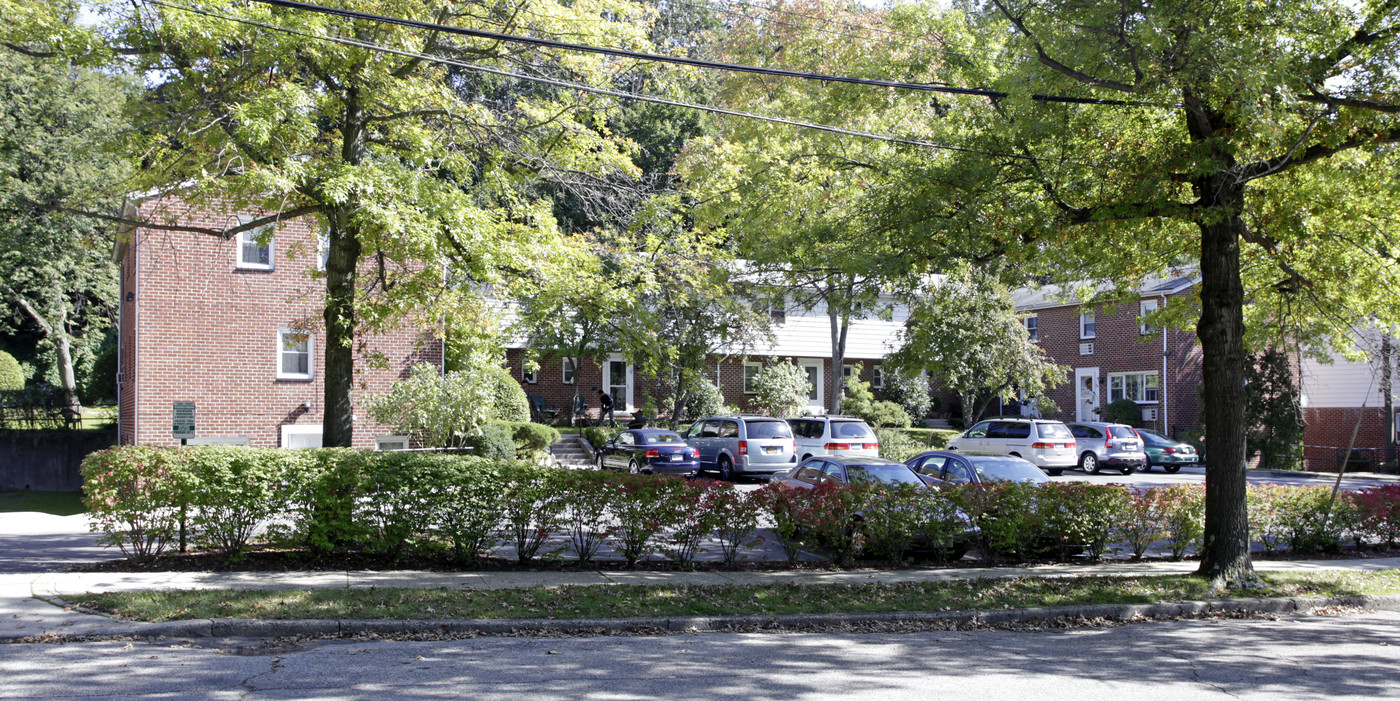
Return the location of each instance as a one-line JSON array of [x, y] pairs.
[[1169, 450], [694, 452], [1108, 445], [1072, 445], [653, 453], [872, 446], [1043, 446], [743, 447], [838, 446]]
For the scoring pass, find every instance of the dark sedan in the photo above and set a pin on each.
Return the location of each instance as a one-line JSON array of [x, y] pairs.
[[962, 468], [649, 450], [846, 470]]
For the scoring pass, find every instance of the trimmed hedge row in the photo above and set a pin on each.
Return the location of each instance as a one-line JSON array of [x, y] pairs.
[[221, 498]]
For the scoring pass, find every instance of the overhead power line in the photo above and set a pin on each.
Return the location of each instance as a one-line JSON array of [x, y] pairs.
[[682, 60], [589, 88]]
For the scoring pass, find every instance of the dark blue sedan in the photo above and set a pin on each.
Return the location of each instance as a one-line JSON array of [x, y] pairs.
[[649, 450]]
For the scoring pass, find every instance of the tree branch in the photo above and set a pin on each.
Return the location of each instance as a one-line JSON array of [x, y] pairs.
[[1061, 68], [1337, 101], [145, 224], [1316, 152]]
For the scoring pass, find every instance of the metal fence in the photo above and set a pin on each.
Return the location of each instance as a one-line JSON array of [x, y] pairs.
[[36, 408], [1330, 458]]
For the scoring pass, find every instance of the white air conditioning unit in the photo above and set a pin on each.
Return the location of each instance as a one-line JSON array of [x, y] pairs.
[[1086, 349], [1149, 414]]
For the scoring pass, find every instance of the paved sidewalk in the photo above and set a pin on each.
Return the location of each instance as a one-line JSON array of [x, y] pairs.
[[33, 605]]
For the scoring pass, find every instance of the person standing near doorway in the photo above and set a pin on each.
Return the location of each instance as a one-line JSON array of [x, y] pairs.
[[605, 403]]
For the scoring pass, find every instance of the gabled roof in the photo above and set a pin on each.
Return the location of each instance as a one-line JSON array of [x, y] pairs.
[[1175, 281]]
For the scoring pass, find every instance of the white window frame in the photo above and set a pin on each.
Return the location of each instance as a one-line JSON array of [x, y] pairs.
[[250, 237], [719, 376], [289, 430], [818, 401], [526, 376], [1150, 394], [619, 403], [568, 374], [1091, 328], [381, 440], [1145, 307], [848, 370], [877, 378], [310, 373], [757, 368], [1032, 322]]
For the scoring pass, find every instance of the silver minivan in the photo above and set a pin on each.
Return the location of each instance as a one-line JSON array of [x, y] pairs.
[[1047, 444], [742, 445]]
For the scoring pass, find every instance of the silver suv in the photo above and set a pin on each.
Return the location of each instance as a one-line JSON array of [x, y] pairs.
[[742, 445], [841, 436], [1115, 446], [1046, 443]]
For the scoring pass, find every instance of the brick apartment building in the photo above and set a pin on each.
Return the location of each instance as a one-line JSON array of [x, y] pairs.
[[1114, 355], [802, 336], [1343, 398], [235, 328]]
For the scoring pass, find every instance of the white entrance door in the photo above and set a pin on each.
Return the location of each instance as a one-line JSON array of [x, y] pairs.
[[619, 380], [817, 383], [1086, 394]]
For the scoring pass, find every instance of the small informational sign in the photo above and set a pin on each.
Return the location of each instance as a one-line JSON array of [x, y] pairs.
[[183, 420]]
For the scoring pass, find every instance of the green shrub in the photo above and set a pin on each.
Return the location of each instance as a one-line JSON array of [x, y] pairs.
[[583, 502], [780, 390], [736, 518], [1144, 522], [235, 492], [441, 410], [704, 399], [1310, 520], [1082, 516], [492, 442], [101, 381], [639, 504], [326, 488], [136, 496], [11, 374], [829, 514], [1006, 514], [1184, 516], [898, 517], [599, 435], [530, 507], [860, 401], [1122, 411], [907, 389], [688, 515], [509, 402], [467, 508], [1378, 513], [896, 444], [531, 438], [784, 507]]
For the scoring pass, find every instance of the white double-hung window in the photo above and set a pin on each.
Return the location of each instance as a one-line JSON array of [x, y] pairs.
[[294, 354], [255, 249], [751, 371], [1087, 326], [1140, 387]]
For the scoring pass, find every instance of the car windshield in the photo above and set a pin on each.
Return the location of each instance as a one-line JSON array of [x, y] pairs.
[[1054, 431], [768, 429], [1121, 432], [993, 470], [850, 429], [881, 474], [657, 438]]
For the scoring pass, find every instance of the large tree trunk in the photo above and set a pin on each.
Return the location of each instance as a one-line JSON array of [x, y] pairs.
[[1225, 553], [342, 270], [58, 333], [840, 325]]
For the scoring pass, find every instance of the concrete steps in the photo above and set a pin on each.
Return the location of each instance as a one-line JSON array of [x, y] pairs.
[[937, 423], [568, 453]]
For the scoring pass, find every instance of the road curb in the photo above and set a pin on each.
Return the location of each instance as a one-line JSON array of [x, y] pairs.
[[268, 628]]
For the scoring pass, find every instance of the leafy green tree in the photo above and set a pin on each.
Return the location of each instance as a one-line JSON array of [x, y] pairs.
[[56, 273], [1273, 412], [1246, 131], [965, 332], [405, 162], [780, 390], [907, 389]]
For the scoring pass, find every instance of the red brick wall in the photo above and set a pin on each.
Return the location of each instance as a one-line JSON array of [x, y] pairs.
[[207, 332], [1119, 346], [1328, 431]]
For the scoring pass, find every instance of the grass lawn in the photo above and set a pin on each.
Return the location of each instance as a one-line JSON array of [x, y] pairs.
[[624, 601], [56, 503]]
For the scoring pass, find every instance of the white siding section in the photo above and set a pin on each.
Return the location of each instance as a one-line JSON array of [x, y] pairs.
[[807, 334], [1344, 383]]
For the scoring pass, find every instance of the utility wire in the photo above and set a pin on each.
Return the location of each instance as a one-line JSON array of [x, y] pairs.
[[589, 88], [699, 63]]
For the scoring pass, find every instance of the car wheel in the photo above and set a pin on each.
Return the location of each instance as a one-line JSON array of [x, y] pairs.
[[1129, 469], [1089, 463], [1171, 469], [601, 466], [1147, 467], [726, 470], [632, 466]]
